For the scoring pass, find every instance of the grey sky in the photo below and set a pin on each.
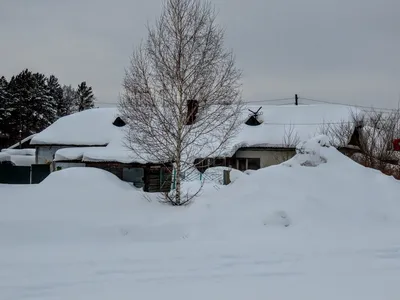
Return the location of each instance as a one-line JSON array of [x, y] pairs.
[[336, 50]]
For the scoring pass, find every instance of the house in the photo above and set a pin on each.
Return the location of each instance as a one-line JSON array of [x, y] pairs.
[[95, 138], [269, 134]]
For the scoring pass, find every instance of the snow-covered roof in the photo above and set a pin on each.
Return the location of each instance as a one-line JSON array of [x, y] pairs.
[[26, 152], [91, 127], [115, 151], [282, 126], [17, 160]]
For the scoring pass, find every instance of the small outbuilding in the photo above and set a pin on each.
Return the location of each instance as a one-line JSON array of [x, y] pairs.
[[95, 138]]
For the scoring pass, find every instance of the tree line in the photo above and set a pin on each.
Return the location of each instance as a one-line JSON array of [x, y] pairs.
[[30, 102]]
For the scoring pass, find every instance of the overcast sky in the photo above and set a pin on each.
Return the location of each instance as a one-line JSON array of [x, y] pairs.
[[335, 50]]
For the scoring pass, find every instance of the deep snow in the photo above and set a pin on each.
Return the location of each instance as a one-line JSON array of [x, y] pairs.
[[316, 227]]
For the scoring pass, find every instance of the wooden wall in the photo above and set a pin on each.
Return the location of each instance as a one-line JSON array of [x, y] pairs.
[[157, 178]]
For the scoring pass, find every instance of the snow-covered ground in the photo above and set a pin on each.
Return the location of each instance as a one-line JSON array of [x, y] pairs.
[[316, 227]]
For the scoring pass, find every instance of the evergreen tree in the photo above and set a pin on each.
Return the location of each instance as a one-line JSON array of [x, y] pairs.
[[20, 91], [85, 97], [69, 103], [34, 106], [30, 102], [5, 107], [4, 101], [56, 93], [44, 104]]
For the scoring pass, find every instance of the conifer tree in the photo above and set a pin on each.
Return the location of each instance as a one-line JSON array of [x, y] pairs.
[[56, 92], [85, 97], [5, 107], [4, 100]]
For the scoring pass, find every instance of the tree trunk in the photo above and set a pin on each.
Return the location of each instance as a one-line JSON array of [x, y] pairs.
[[178, 183]]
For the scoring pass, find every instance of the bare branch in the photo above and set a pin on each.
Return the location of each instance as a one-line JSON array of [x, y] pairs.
[[372, 134], [182, 60]]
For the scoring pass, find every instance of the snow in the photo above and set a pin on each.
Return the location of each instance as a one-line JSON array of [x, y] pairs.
[[66, 154], [29, 152], [17, 157], [287, 125], [293, 231], [115, 151], [5, 156], [87, 128], [23, 160], [283, 126], [216, 174]]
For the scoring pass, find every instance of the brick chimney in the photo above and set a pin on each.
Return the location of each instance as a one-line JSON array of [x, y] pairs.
[[192, 109]]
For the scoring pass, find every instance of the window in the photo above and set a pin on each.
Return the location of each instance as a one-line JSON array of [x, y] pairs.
[[253, 163], [204, 164], [244, 164], [218, 162], [134, 175]]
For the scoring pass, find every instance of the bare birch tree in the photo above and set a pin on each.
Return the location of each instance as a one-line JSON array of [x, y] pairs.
[[182, 91]]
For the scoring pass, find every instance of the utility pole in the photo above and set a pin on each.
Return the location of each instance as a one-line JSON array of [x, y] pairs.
[[296, 100]]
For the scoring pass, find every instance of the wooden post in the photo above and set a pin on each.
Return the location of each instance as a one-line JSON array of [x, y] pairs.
[[227, 177], [296, 100], [174, 180]]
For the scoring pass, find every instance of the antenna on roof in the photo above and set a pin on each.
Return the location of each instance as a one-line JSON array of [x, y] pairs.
[[253, 120]]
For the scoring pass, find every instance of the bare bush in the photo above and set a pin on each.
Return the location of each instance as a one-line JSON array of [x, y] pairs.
[[182, 95], [290, 141], [372, 134]]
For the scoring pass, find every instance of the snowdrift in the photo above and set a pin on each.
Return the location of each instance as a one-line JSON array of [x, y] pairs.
[[319, 190], [319, 223], [83, 178]]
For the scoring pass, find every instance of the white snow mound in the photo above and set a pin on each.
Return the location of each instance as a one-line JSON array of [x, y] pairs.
[[328, 231], [335, 194], [84, 178], [309, 152]]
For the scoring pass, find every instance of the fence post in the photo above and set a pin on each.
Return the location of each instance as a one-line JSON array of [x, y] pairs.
[[174, 181], [161, 178], [227, 177]]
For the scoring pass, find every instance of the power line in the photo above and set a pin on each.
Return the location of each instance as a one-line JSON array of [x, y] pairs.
[[371, 108], [309, 124], [112, 103], [269, 100], [364, 107]]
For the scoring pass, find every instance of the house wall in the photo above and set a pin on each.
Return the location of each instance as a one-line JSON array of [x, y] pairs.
[[268, 157], [65, 165], [45, 154], [156, 178]]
